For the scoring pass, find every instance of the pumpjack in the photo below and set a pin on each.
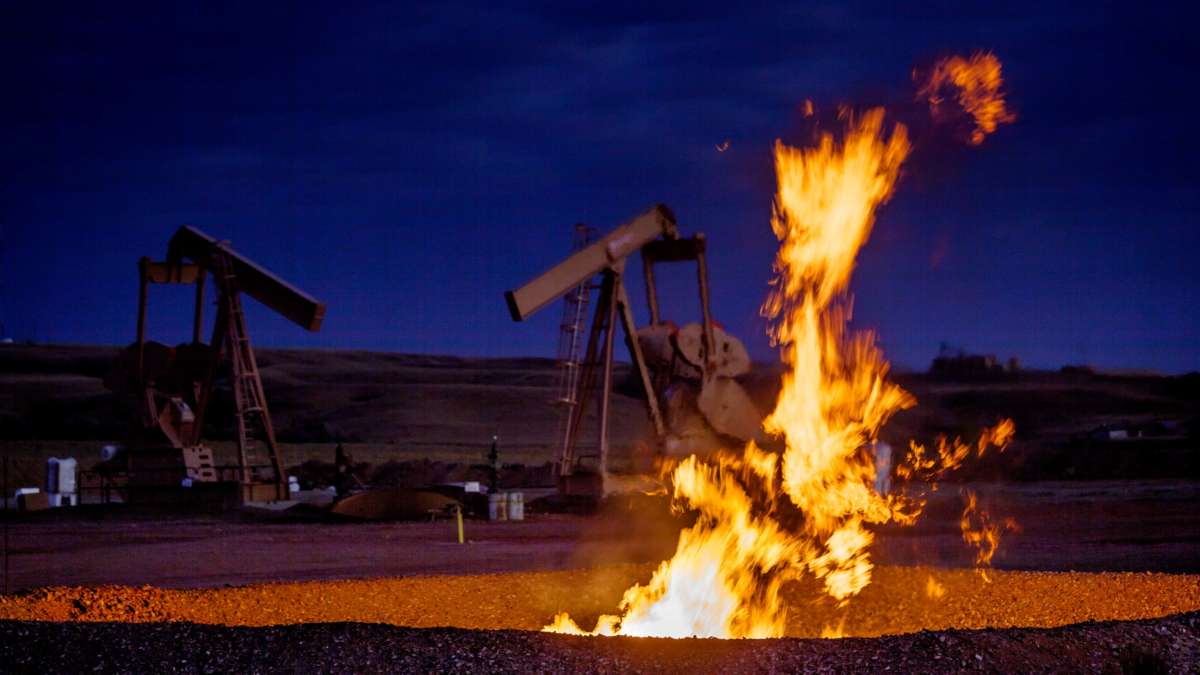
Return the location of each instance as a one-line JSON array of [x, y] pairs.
[[687, 373], [172, 389]]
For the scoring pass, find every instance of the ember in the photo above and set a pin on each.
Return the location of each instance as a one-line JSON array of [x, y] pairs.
[[974, 84]]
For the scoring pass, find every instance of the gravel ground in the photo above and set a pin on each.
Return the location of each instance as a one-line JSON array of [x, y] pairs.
[[1169, 644], [900, 600], [523, 573]]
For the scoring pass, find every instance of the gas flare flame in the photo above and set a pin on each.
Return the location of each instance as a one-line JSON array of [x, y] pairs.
[[767, 517]]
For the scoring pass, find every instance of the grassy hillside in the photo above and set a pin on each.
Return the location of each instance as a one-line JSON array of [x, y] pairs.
[[405, 406]]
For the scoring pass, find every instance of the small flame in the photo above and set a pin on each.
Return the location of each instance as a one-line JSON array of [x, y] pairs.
[[975, 84], [933, 589], [981, 533], [921, 464], [564, 624], [835, 632]]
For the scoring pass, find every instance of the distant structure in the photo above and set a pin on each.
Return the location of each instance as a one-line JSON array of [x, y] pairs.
[[1153, 429], [953, 361]]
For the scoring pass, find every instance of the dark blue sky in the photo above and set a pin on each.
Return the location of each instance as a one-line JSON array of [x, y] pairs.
[[407, 164]]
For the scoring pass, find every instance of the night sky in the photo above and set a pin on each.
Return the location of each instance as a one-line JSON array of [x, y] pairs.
[[407, 165]]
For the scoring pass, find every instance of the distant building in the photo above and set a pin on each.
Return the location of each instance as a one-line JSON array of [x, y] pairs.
[[1153, 429], [956, 362]]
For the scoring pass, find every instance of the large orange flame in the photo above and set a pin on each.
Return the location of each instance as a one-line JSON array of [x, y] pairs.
[[769, 516]]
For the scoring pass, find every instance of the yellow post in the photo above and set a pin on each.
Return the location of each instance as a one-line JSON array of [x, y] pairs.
[[458, 516]]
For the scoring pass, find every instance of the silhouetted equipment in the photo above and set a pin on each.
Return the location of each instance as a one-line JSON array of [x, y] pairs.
[[172, 388], [953, 361], [701, 351], [346, 478]]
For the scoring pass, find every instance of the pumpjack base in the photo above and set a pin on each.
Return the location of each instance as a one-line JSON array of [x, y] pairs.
[[582, 485], [262, 492]]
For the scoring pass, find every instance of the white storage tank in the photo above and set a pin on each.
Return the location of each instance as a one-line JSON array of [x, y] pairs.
[[516, 506], [60, 475], [57, 499], [498, 506]]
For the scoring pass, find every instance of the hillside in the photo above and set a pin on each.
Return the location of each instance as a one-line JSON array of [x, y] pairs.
[[415, 406]]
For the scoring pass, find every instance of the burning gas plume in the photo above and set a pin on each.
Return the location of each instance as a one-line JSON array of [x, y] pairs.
[[770, 516]]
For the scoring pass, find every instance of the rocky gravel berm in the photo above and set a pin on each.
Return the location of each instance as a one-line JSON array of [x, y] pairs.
[[1167, 645]]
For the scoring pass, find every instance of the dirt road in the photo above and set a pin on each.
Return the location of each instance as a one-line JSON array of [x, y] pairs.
[[1148, 526]]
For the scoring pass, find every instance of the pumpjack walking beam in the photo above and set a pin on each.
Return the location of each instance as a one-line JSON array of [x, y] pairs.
[[615, 246], [302, 309]]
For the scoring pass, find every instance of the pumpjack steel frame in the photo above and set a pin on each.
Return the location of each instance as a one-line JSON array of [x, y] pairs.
[[655, 234], [260, 475]]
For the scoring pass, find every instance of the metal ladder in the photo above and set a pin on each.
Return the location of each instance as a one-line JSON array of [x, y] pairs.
[[250, 403], [570, 352]]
